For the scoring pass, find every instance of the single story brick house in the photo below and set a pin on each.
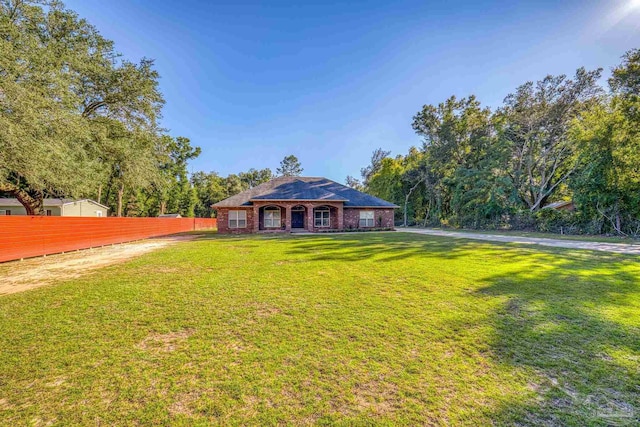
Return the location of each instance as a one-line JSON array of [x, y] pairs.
[[56, 207], [294, 203]]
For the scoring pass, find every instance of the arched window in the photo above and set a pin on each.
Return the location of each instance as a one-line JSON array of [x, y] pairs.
[[272, 217], [322, 217]]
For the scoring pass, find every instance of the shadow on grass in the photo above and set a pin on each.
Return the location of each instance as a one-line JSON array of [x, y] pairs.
[[565, 320], [568, 325], [387, 247], [380, 246]]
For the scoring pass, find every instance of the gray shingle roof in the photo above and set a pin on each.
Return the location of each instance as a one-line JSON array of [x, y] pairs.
[[304, 188]]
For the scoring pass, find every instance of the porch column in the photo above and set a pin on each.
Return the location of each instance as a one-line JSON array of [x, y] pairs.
[[256, 218], [287, 218], [309, 216], [340, 217]]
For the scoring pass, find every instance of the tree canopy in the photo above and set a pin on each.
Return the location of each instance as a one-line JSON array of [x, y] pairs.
[[556, 139], [79, 120], [289, 166], [76, 119]]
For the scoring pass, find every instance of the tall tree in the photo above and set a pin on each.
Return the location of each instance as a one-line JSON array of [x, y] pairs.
[[209, 188], [456, 136], [625, 79], [130, 159], [62, 85], [354, 183], [233, 185], [369, 171], [607, 184], [172, 191], [289, 166], [254, 177], [43, 141], [536, 123]]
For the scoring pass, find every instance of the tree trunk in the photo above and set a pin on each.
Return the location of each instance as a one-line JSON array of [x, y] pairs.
[[163, 207], [406, 201], [33, 202], [404, 221], [120, 196], [615, 219], [427, 214], [99, 194]]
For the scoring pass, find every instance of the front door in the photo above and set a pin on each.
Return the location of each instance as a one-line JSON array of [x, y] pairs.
[[297, 219]]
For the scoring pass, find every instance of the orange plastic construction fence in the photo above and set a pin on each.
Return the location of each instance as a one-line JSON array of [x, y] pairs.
[[29, 236]]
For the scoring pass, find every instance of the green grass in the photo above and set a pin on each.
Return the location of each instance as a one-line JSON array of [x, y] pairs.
[[357, 329], [579, 237]]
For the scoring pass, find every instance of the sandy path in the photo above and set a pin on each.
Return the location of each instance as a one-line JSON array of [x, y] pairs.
[[19, 276]]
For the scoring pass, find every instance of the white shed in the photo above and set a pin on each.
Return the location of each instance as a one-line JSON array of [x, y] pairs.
[[57, 207]]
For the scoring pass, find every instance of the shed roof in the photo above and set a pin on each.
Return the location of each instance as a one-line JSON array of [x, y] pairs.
[[556, 205], [9, 201]]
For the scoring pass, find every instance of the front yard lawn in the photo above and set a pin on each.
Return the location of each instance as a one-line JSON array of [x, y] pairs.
[[354, 329]]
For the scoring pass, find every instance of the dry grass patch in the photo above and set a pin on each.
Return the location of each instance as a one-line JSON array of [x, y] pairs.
[[165, 342], [262, 310], [184, 403], [378, 397]]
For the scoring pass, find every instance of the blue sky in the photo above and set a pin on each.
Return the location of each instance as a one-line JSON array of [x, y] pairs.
[[251, 82]]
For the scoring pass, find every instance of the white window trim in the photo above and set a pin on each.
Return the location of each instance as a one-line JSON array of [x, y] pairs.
[[99, 214], [369, 219], [275, 212], [322, 218], [237, 216]]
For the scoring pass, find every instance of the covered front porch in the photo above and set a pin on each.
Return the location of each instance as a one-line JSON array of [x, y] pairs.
[[286, 217]]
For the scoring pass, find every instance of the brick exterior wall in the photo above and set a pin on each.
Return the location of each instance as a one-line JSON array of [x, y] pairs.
[[381, 217], [340, 218], [223, 221], [285, 213]]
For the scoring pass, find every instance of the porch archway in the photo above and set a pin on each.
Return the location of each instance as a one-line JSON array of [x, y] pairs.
[[271, 217]]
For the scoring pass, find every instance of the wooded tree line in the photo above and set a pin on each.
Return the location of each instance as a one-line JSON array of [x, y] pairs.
[[78, 120], [211, 187], [557, 139]]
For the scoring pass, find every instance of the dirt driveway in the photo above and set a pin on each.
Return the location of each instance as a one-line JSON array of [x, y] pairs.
[[620, 248], [19, 276]]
